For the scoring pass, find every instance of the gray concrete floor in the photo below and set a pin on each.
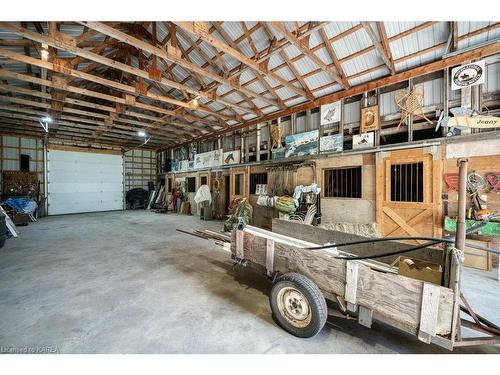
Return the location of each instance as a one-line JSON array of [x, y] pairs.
[[127, 282]]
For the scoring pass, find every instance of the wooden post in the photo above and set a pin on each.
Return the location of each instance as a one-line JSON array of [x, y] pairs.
[[462, 202], [257, 147], [409, 120], [446, 97], [341, 123]]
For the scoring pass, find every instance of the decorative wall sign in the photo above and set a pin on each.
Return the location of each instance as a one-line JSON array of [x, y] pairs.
[[369, 119], [331, 143], [331, 113], [301, 144], [468, 75], [365, 140], [208, 159], [276, 132], [231, 157], [183, 165]]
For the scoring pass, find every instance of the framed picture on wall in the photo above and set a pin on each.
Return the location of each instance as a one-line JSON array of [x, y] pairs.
[[331, 113], [365, 140], [369, 119]]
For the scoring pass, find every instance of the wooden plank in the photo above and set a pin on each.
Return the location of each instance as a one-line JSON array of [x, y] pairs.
[[401, 222], [429, 311], [351, 284], [270, 256], [240, 254], [365, 316]]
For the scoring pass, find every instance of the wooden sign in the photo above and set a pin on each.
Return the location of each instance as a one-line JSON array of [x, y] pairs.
[[468, 75], [369, 119], [476, 122]]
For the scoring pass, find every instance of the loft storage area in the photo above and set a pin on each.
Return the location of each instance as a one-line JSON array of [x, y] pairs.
[[237, 186]]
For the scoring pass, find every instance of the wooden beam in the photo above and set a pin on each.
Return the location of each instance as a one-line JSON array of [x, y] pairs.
[[385, 46], [76, 90], [174, 55], [306, 51], [94, 56], [378, 46], [297, 75], [333, 56], [201, 30], [103, 81]]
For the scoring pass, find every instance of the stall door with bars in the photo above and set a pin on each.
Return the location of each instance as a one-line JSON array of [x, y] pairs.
[[409, 186]]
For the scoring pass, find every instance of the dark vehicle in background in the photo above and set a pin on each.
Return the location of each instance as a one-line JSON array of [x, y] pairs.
[[3, 229]]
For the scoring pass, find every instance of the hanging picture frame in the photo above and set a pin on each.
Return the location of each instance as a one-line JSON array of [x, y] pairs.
[[331, 113], [369, 119]]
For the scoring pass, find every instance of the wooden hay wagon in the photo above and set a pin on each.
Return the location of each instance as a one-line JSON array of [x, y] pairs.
[[366, 289]]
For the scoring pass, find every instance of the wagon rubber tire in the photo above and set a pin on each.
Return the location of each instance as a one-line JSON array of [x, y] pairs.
[[298, 305]]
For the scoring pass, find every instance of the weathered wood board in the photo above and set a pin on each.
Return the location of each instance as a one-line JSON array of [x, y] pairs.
[[394, 299], [322, 236]]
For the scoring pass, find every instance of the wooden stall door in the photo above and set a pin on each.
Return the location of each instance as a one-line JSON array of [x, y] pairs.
[[409, 188], [241, 185]]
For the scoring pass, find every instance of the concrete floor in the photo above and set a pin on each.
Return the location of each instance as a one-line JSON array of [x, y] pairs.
[[127, 282]]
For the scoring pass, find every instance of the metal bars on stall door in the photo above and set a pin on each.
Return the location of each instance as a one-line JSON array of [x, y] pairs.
[[407, 182], [343, 182]]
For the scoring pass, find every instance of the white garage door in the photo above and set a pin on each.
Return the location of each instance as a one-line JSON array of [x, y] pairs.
[[84, 182]]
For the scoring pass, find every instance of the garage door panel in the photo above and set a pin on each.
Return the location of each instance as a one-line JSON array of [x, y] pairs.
[[84, 182]]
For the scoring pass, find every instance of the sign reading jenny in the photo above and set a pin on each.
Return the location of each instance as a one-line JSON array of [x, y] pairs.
[[331, 113], [208, 159], [301, 144], [468, 75]]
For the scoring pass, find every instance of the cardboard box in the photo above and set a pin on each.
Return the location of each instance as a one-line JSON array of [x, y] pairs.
[[419, 269]]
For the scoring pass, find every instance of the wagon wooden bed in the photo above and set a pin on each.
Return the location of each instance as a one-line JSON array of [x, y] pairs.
[[366, 289]]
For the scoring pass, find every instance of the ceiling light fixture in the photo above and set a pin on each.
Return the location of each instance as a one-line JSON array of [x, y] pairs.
[[141, 133]]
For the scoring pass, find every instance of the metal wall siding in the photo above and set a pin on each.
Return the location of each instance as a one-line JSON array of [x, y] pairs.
[[233, 29], [318, 80], [361, 63], [315, 39], [257, 87], [394, 28], [296, 101], [492, 78], [352, 112], [352, 43], [260, 39], [387, 104], [305, 65], [335, 28], [326, 91]]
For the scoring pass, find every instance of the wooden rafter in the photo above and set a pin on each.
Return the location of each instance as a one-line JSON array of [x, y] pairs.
[[306, 51], [379, 47], [84, 54], [333, 56], [385, 46], [174, 55], [201, 29]]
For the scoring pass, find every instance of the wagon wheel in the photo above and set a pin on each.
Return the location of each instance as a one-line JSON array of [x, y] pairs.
[[298, 305]]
